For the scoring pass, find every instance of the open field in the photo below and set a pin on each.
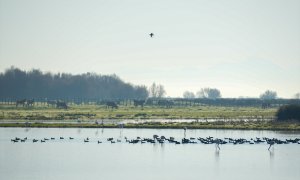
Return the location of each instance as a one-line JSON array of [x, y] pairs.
[[201, 117], [94, 112]]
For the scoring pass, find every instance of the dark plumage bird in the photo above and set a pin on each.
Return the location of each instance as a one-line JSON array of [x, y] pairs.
[[151, 35], [271, 144]]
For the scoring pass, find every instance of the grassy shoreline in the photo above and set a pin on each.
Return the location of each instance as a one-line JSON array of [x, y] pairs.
[[244, 118], [240, 125]]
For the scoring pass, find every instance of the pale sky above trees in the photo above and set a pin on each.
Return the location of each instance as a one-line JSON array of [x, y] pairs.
[[240, 47]]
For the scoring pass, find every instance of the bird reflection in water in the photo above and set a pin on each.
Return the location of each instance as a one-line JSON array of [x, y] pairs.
[[217, 155], [271, 152]]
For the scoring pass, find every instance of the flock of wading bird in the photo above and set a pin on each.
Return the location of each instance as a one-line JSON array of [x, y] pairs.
[[163, 139]]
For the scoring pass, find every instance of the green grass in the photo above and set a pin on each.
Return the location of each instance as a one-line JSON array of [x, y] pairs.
[[88, 112], [248, 118]]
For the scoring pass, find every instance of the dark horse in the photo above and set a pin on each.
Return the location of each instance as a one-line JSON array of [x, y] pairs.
[[51, 103], [61, 104], [265, 105], [166, 103], [25, 102], [137, 103], [111, 104], [30, 102], [21, 102]]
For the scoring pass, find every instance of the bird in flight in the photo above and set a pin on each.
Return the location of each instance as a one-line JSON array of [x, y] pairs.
[[151, 34]]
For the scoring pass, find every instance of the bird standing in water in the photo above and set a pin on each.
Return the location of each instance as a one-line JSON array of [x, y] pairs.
[[151, 35], [271, 144]]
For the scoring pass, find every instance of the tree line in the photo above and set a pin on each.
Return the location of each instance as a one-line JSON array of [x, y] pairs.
[[16, 83], [213, 93]]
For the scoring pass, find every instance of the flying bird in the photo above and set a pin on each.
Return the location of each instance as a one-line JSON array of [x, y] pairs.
[[151, 35]]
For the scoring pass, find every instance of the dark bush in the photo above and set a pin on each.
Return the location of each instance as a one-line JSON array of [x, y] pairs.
[[288, 112]]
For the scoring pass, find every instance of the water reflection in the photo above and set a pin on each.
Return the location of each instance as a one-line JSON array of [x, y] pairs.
[[272, 155], [121, 133], [271, 152], [217, 155], [137, 161]]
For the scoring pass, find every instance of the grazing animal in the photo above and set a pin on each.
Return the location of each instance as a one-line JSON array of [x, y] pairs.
[[51, 103], [61, 104], [137, 103], [21, 102], [30, 102], [166, 103], [111, 104], [265, 105]]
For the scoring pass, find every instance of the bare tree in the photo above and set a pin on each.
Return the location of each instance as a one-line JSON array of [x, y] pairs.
[[188, 95], [268, 94], [160, 91], [297, 95], [152, 90], [157, 91], [210, 93]]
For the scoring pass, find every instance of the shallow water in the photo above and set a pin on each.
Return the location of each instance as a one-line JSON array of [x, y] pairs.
[[133, 121], [73, 159]]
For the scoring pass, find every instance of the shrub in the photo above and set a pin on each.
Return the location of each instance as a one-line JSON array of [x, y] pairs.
[[288, 112]]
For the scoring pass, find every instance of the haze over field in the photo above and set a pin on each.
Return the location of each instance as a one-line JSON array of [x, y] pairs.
[[239, 47]]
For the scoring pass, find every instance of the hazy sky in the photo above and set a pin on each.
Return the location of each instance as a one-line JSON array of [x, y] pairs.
[[241, 47]]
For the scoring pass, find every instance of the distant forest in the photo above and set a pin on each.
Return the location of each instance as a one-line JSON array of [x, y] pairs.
[[15, 83]]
